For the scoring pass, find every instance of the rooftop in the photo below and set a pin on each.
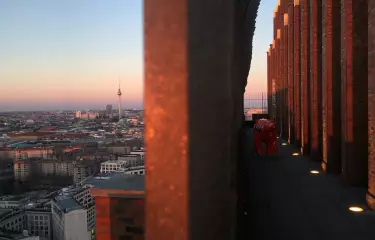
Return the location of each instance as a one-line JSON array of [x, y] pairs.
[[117, 183], [66, 204]]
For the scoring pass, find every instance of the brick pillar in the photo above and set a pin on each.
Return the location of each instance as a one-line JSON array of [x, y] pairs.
[[316, 79], [291, 73], [182, 66], [331, 86], [354, 92], [371, 105], [268, 79], [278, 81], [305, 77], [102, 218], [269, 82], [297, 72], [275, 22], [277, 70], [273, 83], [285, 35]]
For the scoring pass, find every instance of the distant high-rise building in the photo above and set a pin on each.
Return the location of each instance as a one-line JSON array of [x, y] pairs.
[[119, 100], [108, 110], [87, 115]]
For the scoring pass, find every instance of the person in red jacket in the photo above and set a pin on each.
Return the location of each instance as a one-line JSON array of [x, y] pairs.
[[265, 133]]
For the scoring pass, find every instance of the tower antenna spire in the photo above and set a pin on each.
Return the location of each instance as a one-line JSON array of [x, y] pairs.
[[119, 98]]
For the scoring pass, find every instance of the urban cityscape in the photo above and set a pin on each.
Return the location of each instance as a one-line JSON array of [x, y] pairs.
[[54, 163], [187, 120], [71, 119]]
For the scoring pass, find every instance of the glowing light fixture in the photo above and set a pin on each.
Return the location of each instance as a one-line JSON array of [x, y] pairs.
[[295, 154], [356, 209], [314, 172], [284, 144]]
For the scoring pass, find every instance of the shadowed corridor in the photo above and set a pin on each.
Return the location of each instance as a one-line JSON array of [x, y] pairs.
[[286, 201]]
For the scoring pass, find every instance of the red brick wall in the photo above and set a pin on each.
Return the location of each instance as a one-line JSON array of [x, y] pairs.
[[291, 104], [297, 73], [119, 218], [315, 79], [305, 77], [285, 106], [371, 107], [354, 91], [331, 86]]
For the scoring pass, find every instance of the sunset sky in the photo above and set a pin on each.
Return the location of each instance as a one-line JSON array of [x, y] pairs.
[[69, 54]]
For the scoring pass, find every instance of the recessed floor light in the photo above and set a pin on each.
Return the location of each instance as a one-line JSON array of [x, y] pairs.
[[295, 154], [284, 144], [356, 209], [314, 172]]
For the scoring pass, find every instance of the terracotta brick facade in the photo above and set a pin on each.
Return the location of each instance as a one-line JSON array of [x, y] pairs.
[[305, 77], [291, 105], [331, 86], [297, 74], [371, 105], [324, 66], [119, 218], [315, 79], [353, 91]]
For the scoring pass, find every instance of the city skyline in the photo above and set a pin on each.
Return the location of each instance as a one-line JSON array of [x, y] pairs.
[[68, 55]]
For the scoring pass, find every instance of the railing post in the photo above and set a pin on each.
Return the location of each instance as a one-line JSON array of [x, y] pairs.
[[262, 103]]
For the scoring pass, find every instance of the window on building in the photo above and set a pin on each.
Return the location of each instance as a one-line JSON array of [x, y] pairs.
[[135, 230]]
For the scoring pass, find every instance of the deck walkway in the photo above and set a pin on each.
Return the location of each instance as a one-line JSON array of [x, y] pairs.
[[288, 202]]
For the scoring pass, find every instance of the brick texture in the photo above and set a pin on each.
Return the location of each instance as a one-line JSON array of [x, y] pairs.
[[291, 104], [285, 88], [331, 87], [285, 65], [119, 218], [297, 74], [269, 82], [371, 105], [278, 65], [315, 79], [305, 77], [354, 92], [273, 79]]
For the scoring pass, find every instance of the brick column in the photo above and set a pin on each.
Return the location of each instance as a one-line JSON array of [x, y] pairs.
[[354, 92], [305, 77], [278, 81], [103, 218], [291, 73], [331, 86], [297, 72], [277, 70], [316, 79], [371, 105], [189, 50], [268, 79], [286, 109], [273, 80]]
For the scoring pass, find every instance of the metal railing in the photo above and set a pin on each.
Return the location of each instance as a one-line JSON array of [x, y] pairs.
[[255, 103]]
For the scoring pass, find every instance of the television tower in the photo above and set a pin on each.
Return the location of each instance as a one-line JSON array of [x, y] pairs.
[[119, 100]]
